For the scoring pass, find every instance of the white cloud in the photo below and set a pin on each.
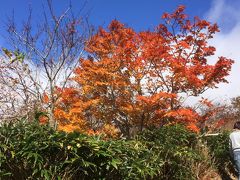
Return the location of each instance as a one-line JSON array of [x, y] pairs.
[[225, 13]]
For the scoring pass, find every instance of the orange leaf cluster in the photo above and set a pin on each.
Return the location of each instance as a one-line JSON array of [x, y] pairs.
[[131, 80], [43, 119]]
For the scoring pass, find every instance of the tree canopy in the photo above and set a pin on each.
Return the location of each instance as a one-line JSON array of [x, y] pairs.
[[131, 80]]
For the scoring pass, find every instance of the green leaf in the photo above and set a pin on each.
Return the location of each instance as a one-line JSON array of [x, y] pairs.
[[115, 163]]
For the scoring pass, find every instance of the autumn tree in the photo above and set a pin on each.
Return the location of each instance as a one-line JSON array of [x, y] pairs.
[[226, 114], [51, 47], [132, 80]]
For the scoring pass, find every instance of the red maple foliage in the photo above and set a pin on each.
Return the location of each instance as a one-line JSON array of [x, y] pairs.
[[131, 80]]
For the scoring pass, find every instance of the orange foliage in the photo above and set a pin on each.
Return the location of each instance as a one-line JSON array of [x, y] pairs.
[[220, 123], [45, 98], [43, 119], [68, 111], [206, 102], [109, 131], [193, 127], [131, 79]]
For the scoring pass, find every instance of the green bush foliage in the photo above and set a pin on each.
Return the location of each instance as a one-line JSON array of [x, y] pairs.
[[177, 148], [30, 151], [219, 149]]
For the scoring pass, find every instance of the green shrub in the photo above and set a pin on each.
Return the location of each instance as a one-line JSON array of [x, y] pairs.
[[219, 148], [30, 150], [176, 146]]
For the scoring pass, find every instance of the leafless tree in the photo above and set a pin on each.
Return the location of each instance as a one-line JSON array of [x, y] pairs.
[[18, 90], [52, 49]]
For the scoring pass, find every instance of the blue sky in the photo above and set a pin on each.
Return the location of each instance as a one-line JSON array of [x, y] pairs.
[[139, 14], [145, 14]]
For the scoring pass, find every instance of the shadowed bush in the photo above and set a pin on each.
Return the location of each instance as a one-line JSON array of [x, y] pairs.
[[219, 148], [177, 147], [31, 151]]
